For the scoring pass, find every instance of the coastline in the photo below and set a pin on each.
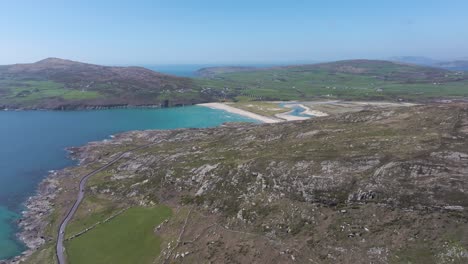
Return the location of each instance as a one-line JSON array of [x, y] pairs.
[[311, 112], [84, 107], [32, 223], [282, 117], [38, 207], [288, 117], [230, 109]]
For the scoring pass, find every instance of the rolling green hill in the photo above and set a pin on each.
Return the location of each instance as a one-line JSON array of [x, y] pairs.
[[353, 79], [62, 84], [55, 84]]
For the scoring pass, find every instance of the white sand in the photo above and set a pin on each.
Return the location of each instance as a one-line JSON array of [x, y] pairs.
[[280, 117], [309, 111], [241, 112], [287, 116]]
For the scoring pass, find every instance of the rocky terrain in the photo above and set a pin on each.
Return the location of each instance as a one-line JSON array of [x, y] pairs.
[[375, 186]]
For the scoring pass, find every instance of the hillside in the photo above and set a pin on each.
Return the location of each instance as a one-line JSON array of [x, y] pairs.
[[417, 60], [62, 84], [354, 79], [454, 65], [55, 83], [376, 186]]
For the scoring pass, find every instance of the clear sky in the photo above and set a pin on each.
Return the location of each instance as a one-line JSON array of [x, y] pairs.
[[230, 31]]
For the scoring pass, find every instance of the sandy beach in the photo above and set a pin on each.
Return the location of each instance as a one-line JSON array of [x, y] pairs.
[[241, 112], [311, 112], [288, 117], [265, 119]]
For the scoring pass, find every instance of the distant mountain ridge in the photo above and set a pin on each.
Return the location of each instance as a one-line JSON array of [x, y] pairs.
[[350, 80], [455, 65], [55, 83], [60, 69], [392, 69], [459, 65], [418, 60]]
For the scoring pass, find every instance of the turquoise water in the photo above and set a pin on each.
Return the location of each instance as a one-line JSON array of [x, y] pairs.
[[296, 109], [33, 142]]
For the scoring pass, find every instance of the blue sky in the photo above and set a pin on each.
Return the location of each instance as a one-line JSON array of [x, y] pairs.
[[240, 31]]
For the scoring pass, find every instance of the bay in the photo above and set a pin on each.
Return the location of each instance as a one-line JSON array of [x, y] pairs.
[[33, 143]]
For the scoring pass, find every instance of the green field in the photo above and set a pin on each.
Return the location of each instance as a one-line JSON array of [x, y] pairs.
[[28, 92], [128, 238], [80, 85], [369, 80], [91, 211], [261, 108]]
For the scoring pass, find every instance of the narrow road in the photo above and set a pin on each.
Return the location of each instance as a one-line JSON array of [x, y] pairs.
[[81, 192]]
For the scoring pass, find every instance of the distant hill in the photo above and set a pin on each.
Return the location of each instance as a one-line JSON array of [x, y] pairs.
[[351, 79], [385, 70], [460, 65], [63, 84], [456, 65], [57, 83], [415, 60]]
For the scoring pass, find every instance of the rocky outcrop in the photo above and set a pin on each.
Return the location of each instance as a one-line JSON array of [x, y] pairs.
[[368, 187]]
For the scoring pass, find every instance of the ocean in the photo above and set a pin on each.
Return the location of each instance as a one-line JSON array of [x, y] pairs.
[[33, 143], [190, 70]]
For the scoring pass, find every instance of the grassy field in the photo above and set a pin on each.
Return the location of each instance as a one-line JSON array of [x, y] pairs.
[[81, 85], [341, 80], [91, 211], [261, 108], [128, 238], [27, 92]]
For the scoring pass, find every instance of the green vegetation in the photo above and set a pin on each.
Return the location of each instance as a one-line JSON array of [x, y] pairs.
[[261, 108], [377, 80], [29, 92], [373, 184], [92, 211], [62, 84], [128, 238]]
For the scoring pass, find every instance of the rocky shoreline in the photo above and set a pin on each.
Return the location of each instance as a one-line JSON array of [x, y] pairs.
[[81, 107], [33, 221], [39, 207]]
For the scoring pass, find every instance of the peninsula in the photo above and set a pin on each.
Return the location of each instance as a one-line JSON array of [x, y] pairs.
[[377, 185], [63, 84]]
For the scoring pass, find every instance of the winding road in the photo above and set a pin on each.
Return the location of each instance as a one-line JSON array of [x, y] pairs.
[[60, 249]]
